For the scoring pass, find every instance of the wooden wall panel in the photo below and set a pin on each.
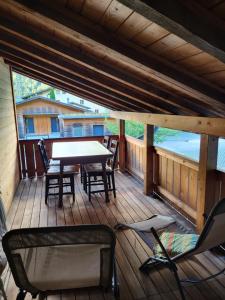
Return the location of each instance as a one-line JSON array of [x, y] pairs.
[[9, 162], [135, 156], [175, 176], [178, 181]]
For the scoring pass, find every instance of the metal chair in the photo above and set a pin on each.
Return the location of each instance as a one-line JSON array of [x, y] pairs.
[[93, 171], [52, 174], [47, 259], [212, 236]]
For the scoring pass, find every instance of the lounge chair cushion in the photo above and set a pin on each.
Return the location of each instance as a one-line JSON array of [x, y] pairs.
[[175, 243], [63, 267]]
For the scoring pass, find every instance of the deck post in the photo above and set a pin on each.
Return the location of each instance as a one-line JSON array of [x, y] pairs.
[[206, 177], [122, 146], [148, 159]]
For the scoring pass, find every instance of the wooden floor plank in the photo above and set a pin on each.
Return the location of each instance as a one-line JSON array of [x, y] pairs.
[[131, 205]]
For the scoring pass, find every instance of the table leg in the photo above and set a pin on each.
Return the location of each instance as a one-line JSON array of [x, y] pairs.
[[105, 182], [61, 185]]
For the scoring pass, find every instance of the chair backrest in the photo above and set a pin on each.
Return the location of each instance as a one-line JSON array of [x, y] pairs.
[[29, 250], [114, 147], [213, 232], [43, 153], [106, 141]]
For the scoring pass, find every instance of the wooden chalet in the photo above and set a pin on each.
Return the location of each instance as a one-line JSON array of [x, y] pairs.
[[157, 62], [39, 116]]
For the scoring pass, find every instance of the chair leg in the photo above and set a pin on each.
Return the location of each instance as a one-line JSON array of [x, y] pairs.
[[109, 180], [85, 182], [46, 189], [72, 184], [113, 184], [104, 178], [81, 174], [89, 187], [2, 290]]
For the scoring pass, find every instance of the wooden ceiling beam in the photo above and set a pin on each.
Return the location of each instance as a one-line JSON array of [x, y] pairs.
[[54, 83], [140, 91], [188, 20], [123, 103], [108, 46], [55, 72], [210, 126], [164, 102]]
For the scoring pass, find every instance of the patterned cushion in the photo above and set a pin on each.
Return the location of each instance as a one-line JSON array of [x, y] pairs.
[[175, 243]]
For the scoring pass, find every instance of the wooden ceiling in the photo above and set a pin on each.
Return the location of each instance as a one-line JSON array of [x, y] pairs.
[[115, 55]]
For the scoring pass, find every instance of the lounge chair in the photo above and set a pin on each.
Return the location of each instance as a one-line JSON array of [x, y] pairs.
[[212, 236], [48, 259], [182, 246], [170, 246]]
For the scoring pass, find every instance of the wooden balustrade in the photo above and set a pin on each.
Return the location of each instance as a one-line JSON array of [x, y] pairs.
[[135, 156], [31, 164], [175, 176]]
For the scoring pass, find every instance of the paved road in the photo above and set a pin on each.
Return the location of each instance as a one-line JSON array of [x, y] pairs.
[[188, 144]]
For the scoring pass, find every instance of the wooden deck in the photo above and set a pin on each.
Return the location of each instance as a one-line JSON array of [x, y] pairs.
[[28, 210]]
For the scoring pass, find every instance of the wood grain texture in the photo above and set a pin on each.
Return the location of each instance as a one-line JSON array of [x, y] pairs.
[[28, 210], [9, 160]]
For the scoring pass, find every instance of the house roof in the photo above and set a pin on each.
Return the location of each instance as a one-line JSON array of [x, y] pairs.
[[45, 99], [36, 93], [83, 116], [126, 55]]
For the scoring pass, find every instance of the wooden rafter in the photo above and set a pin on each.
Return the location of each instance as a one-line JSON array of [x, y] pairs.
[[84, 84], [188, 20], [149, 65], [37, 53], [70, 83], [64, 87]]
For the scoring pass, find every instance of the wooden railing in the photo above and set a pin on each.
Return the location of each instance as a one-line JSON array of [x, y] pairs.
[[175, 176], [178, 181], [134, 156], [31, 164]]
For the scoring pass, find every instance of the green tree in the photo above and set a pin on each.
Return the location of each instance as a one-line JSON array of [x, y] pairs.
[[24, 86], [51, 94], [136, 129]]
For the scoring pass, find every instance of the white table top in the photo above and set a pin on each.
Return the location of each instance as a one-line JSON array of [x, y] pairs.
[[63, 150]]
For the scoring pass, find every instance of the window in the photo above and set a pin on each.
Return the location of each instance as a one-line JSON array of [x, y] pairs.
[[81, 101], [98, 130], [96, 111], [54, 124], [63, 92], [77, 130], [29, 124]]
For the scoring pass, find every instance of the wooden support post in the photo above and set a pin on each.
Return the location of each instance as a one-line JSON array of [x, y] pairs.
[[206, 177], [148, 159], [122, 149]]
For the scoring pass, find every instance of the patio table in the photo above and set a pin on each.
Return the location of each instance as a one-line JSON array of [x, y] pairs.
[[70, 153]]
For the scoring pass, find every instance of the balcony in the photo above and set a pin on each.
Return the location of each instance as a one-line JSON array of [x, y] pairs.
[[29, 210], [131, 205]]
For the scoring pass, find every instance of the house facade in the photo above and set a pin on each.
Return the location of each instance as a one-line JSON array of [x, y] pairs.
[[75, 125], [68, 98], [43, 117]]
